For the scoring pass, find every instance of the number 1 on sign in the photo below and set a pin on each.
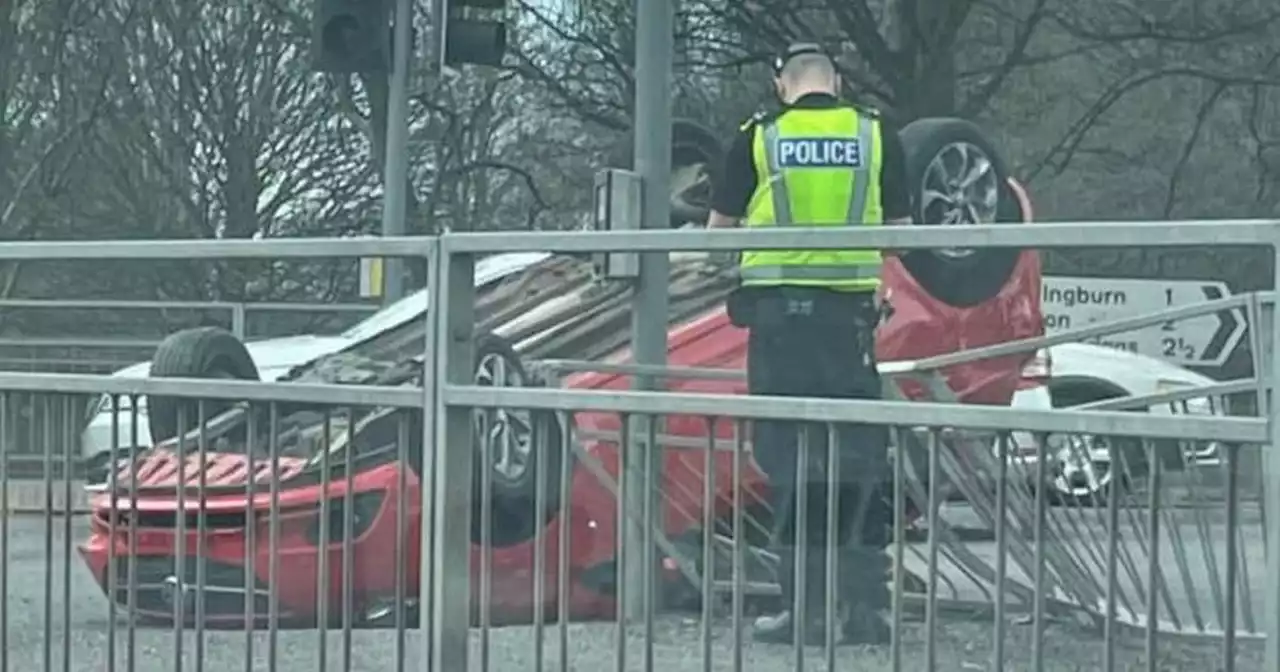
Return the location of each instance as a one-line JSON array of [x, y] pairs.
[[1168, 301]]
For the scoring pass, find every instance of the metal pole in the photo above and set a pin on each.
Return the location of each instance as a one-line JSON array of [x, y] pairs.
[[1271, 478], [655, 44], [395, 175]]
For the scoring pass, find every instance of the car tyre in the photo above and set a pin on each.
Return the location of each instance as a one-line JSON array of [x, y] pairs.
[[957, 177], [203, 352], [523, 446]]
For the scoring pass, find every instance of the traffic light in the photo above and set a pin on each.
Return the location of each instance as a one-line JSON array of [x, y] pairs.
[[351, 36], [475, 32]]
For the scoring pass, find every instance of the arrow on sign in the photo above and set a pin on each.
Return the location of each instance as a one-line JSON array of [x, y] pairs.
[[1230, 330]]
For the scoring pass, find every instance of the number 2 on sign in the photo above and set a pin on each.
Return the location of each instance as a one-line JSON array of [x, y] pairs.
[[1177, 348], [1168, 326]]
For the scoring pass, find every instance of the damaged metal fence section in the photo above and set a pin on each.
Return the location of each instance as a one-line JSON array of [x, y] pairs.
[[429, 500], [1179, 558]]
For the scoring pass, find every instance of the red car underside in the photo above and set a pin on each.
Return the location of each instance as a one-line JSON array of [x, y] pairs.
[[921, 327]]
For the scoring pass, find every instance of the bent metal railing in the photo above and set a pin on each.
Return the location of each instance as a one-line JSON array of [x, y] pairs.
[[262, 520], [1087, 562]]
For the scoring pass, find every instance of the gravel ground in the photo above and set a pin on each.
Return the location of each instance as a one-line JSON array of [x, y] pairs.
[[961, 644]]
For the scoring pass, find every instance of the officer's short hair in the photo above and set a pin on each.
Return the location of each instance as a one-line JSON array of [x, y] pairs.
[[802, 61], [808, 66]]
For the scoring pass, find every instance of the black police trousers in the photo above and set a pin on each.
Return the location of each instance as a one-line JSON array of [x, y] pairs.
[[820, 343]]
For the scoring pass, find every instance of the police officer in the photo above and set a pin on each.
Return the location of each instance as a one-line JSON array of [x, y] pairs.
[[812, 316]]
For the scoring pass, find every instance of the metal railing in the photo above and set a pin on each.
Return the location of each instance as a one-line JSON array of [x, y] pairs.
[[1087, 567], [105, 353], [287, 518]]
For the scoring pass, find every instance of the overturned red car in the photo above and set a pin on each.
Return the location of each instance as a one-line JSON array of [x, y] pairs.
[[196, 528]]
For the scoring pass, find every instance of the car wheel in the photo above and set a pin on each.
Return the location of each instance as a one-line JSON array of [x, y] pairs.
[[204, 352], [958, 178], [1084, 476], [695, 152], [507, 444]]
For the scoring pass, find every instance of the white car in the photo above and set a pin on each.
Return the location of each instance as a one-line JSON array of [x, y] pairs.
[[1081, 373]]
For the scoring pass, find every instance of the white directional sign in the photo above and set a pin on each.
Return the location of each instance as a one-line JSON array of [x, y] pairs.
[[1205, 340]]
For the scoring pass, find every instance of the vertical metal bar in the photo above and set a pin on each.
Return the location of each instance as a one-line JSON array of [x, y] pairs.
[[831, 565], [180, 556], [1271, 480], [1002, 552], [453, 442], [542, 435], [348, 534], [655, 46], [1111, 626], [66, 431], [1154, 575], [202, 480], [800, 542], [1231, 454], [113, 523], [402, 531], [621, 592], [323, 547], [486, 540], [708, 543], [250, 534], [565, 527], [5, 401], [238, 320], [395, 174], [131, 564], [432, 370], [935, 511], [273, 539], [739, 544], [1039, 571], [651, 515], [45, 420], [899, 544]]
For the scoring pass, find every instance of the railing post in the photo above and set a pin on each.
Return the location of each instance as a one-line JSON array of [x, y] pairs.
[[654, 52], [451, 444], [238, 319], [1271, 473]]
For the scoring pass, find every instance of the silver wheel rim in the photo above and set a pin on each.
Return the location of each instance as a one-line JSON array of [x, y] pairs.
[[506, 434], [1082, 473], [960, 187]]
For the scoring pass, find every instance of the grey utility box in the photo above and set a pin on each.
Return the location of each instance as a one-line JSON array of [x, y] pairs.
[[617, 207]]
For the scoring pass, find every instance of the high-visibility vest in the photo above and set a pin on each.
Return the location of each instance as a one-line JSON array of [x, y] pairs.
[[816, 167]]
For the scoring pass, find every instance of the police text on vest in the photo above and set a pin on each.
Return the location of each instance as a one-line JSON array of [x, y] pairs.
[[819, 153]]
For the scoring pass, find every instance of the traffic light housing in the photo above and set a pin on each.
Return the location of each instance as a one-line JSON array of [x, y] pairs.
[[475, 32], [351, 36]]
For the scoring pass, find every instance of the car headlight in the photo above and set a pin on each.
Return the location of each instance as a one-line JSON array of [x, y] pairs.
[[365, 507]]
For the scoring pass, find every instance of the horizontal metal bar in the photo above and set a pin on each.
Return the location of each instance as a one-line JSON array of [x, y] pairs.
[[895, 413], [1172, 396], [272, 248], [562, 366], [144, 304], [237, 390], [1043, 236], [73, 342], [310, 307]]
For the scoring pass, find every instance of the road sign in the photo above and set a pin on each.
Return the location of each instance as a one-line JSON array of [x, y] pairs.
[[1206, 340]]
